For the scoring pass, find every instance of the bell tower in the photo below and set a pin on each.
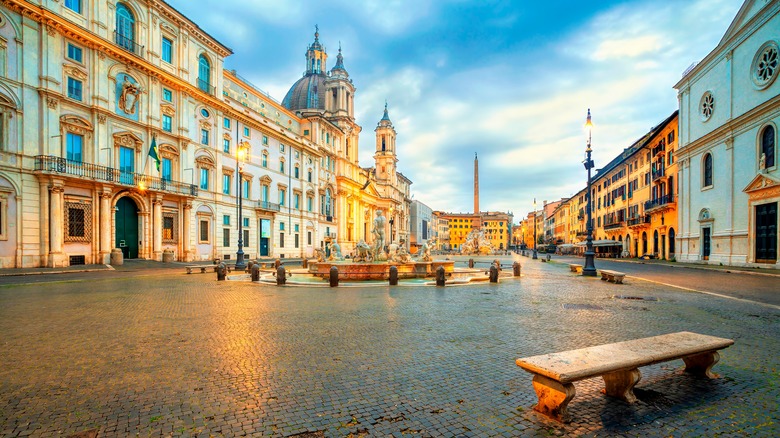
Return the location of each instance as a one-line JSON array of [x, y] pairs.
[[385, 156], [316, 55]]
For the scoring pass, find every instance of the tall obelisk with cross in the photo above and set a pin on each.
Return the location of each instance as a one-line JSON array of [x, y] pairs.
[[477, 220]]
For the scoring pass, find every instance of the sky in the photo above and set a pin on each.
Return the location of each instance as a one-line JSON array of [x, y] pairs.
[[509, 80]]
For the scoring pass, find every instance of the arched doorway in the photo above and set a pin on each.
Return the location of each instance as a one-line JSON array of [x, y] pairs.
[[627, 244], [127, 227], [671, 242], [655, 242], [644, 243]]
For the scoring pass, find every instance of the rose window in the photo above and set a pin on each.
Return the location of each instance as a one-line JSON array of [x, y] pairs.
[[765, 65], [707, 105]]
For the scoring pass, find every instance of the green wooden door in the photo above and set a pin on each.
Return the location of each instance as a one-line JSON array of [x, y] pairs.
[[127, 227]]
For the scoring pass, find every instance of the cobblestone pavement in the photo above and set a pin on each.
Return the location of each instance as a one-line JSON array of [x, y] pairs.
[[183, 355]]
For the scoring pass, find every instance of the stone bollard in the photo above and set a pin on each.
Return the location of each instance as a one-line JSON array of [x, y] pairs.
[[440, 276], [549, 257], [277, 262], [255, 272], [516, 269], [281, 276], [221, 272], [493, 274], [393, 276], [305, 263], [334, 276], [471, 263], [117, 258], [249, 265]]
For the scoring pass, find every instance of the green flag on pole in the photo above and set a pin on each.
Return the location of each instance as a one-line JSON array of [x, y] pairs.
[[153, 152]]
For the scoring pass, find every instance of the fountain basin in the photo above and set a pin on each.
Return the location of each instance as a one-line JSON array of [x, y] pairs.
[[363, 271]]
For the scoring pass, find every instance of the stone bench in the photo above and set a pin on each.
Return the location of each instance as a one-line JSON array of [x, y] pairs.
[[617, 364], [613, 276], [201, 267], [575, 268]]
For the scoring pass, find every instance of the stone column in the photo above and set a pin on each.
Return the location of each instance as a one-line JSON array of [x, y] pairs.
[[44, 222], [56, 225], [105, 227], [157, 229], [186, 232]]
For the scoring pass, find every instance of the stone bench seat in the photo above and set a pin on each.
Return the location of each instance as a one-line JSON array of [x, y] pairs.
[[613, 276], [617, 364], [202, 268], [575, 268]]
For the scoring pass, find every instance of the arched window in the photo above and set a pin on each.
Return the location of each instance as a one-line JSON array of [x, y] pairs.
[[768, 147], [707, 174], [125, 27], [204, 74]]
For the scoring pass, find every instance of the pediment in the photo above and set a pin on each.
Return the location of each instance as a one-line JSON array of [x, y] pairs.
[[761, 182], [748, 10], [128, 139]]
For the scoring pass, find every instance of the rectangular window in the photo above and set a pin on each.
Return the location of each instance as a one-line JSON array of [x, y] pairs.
[[297, 227], [75, 53], [306, 132], [204, 136], [246, 131], [245, 193], [281, 148], [309, 203], [297, 244], [246, 241], [167, 50], [281, 240], [204, 231], [75, 147], [226, 237], [246, 222], [265, 140], [226, 146], [281, 226], [282, 195], [167, 169], [226, 123], [167, 123], [168, 228], [264, 193], [167, 95], [204, 178], [73, 5], [226, 184], [297, 172], [76, 222], [296, 202], [225, 219], [281, 166], [265, 160], [74, 89], [308, 237]]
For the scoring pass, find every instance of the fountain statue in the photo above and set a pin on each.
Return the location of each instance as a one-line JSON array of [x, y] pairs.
[[398, 253], [364, 253], [379, 237], [476, 244], [319, 254], [425, 251], [335, 252]]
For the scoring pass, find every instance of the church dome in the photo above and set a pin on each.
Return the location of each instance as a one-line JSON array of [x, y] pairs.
[[307, 92]]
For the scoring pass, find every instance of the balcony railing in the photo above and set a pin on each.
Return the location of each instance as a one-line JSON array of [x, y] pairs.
[[613, 225], [641, 220], [660, 173], [269, 206], [582, 233], [128, 44], [52, 164], [659, 202], [659, 149], [330, 235], [206, 87]]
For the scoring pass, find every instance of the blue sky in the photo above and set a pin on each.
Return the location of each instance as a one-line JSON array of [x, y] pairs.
[[511, 80]]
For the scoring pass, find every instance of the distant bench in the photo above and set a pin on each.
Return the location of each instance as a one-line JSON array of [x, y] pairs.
[[575, 268], [618, 364], [613, 276], [201, 267]]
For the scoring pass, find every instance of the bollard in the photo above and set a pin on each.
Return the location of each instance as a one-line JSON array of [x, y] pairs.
[[497, 263], [393, 276], [281, 276], [549, 257], [516, 269], [305, 263], [255, 272], [277, 262], [249, 266], [471, 263], [493, 274], [440, 276], [334, 276], [221, 272]]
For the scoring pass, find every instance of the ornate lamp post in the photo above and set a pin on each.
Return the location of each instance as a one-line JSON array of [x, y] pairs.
[[522, 244], [534, 256], [590, 268], [241, 155]]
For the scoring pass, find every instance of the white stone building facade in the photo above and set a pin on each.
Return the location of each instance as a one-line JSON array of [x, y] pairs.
[[729, 182]]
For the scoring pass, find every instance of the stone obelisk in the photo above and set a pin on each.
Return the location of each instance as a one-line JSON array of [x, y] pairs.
[[477, 221]]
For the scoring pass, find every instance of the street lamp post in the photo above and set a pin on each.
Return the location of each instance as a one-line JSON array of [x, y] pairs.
[[590, 268], [534, 256], [240, 157]]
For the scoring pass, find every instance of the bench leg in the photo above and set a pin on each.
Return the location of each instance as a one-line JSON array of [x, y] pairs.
[[621, 384], [618, 280], [553, 397], [701, 364]]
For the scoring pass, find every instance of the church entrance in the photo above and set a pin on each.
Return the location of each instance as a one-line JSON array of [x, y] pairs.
[[127, 227], [766, 233]]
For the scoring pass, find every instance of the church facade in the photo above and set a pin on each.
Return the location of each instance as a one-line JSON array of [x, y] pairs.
[[120, 128]]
